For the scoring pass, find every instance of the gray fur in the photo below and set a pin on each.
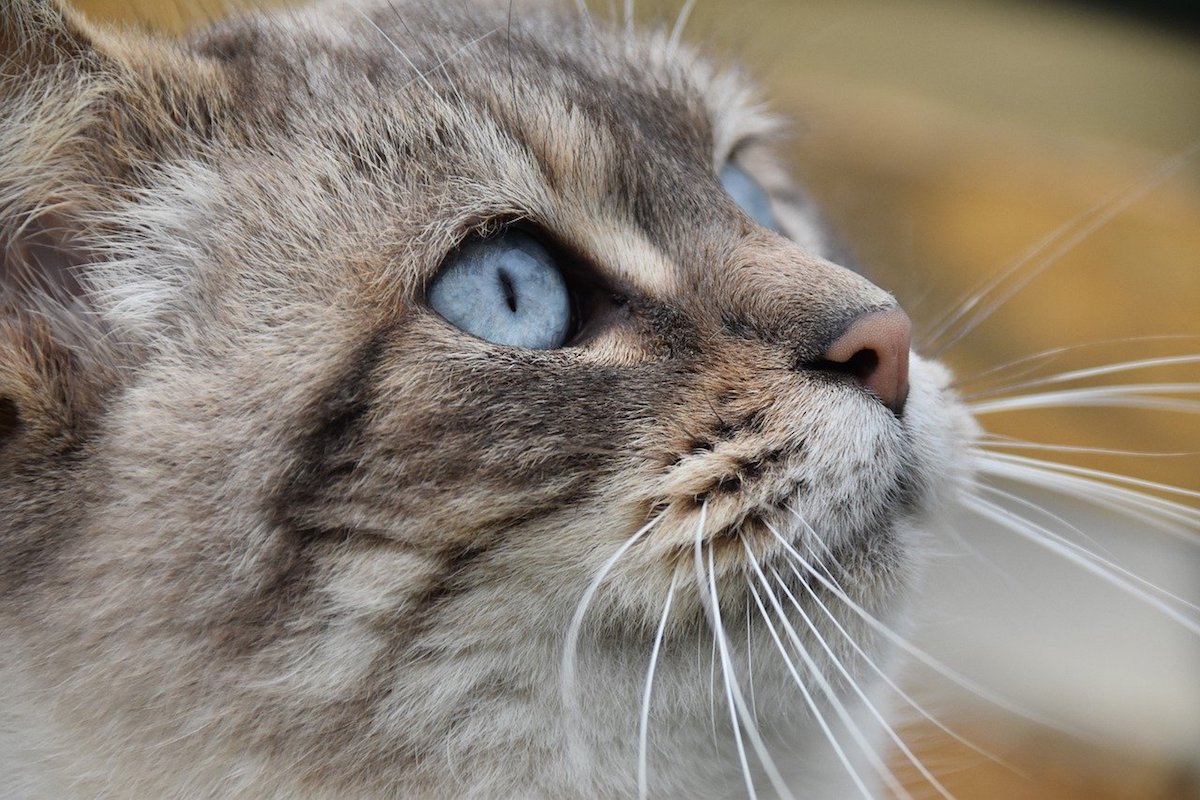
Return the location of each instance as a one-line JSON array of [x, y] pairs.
[[277, 530]]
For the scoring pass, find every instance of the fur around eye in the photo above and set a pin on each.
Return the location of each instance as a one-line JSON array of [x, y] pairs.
[[748, 194], [506, 289]]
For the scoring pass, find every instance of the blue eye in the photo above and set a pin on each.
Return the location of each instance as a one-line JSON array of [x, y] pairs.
[[506, 289], [746, 192]]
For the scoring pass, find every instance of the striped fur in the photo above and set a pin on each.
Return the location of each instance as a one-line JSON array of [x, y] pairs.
[[274, 529]]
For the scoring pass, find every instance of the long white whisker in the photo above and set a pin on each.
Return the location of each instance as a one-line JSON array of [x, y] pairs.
[[1083, 551], [1010, 443], [960, 309], [1099, 217], [1029, 530], [871, 708], [570, 648], [712, 692], [647, 692], [1032, 361], [920, 655], [1096, 474], [1090, 372], [809, 701], [714, 618], [1130, 395], [832, 557], [734, 689], [888, 680], [1173, 518], [750, 663], [680, 24], [983, 486], [827, 689], [813, 538]]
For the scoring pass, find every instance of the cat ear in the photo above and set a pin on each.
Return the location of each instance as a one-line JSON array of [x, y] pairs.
[[44, 33], [56, 367], [55, 357], [51, 358], [85, 112], [46, 52]]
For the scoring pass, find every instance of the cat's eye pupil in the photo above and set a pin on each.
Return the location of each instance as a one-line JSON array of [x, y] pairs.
[[510, 292], [507, 289]]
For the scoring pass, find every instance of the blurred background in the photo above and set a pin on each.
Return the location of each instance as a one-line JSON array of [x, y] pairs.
[[945, 138]]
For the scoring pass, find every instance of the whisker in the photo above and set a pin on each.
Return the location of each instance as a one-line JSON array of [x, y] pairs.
[[1031, 362], [419, 74], [1098, 475], [809, 701], [570, 647], [984, 486], [891, 683], [1083, 551], [1089, 372], [750, 663], [813, 538], [442, 62], [871, 708], [732, 688], [644, 717], [1130, 395], [1008, 442], [964, 306], [1174, 518], [1085, 224], [1028, 530], [920, 655], [714, 618], [680, 23], [712, 693], [826, 688]]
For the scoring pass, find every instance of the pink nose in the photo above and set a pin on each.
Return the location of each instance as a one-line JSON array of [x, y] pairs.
[[874, 351]]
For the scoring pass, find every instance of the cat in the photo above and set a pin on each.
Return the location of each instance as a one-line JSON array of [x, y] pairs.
[[404, 401]]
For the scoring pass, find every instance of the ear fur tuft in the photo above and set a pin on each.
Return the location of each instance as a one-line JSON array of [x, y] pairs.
[[85, 112], [52, 352], [56, 365], [43, 32]]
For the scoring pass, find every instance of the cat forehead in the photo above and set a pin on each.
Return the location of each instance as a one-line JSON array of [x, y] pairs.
[[527, 69], [425, 122]]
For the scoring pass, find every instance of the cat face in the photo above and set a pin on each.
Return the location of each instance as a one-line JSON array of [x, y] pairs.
[[279, 511]]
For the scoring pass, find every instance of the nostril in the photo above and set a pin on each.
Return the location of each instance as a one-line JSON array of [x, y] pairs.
[[873, 351], [859, 366]]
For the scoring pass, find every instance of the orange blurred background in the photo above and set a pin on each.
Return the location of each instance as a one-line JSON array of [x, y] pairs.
[[945, 139]]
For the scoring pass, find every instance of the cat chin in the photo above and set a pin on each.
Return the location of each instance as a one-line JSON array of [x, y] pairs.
[[876, 476], [943, 434]]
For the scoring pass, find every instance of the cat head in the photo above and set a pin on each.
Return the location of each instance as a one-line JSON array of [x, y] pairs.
[[348, 349]]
